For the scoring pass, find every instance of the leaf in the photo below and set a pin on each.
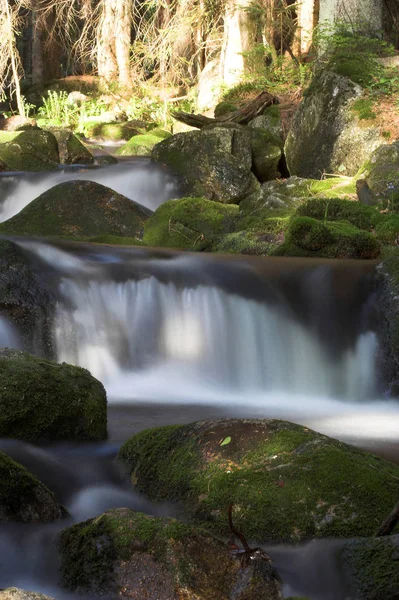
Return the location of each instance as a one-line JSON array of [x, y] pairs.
[[226, 441]]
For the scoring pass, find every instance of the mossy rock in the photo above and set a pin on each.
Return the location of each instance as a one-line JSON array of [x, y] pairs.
[[115, 240], [41, 400], [79, 208], [309, 237], [331, 209], [207, 166], [326, 135], [387, 230], [23, 498], [372, 567], [287, 482], [17, 594], [189, 223], [30, 150], [70, 149], [126, 554], [270, 121], [113, 132], [381, 172], [247, 242], [142, 145]]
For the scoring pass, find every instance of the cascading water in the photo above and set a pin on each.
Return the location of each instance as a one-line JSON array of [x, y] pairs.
[[141, 181], [189, 329]]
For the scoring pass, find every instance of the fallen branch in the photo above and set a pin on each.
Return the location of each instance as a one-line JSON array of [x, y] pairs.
[[241, 116], [389, 524]]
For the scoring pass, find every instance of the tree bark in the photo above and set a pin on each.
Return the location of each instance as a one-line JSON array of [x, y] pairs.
[[106, 55], [123, 22], [37, 47]]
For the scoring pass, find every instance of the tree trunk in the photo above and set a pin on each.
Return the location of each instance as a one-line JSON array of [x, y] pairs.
[[14, 58], [37, 47], [106, 54], [123, 17]]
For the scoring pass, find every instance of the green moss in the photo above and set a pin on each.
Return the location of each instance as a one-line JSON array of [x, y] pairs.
[[246, 242], [387, 230], [287, 482], [142, 145], [274, 113], [224, 108], [115, 240], [110, 131], [42, 400], [309, 237], [373, 567], [189, 223], [362, 217], [333, 187], [79, 208], [31, 150], [363, 107]]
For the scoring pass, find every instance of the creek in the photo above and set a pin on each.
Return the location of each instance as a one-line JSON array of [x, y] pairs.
[[176, 337]]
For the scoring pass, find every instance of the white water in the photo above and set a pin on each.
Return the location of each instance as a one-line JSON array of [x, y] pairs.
[[141, 181]]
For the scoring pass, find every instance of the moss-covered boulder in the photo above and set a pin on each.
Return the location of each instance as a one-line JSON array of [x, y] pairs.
[[70, 149], [30, 150], [270, 121], [328, 239], [24, 298], [189, 223], [224, 108], [23, 498], [17, 594], [205, 162], [41, 400], [125, 554], [327, 135], [372, 567], [332, 209], [113, 132], [262, 243], [287, 482], [80, 208], [381, 172], [142, 145]]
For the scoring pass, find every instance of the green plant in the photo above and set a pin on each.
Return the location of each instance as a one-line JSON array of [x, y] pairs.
[[58, 109]]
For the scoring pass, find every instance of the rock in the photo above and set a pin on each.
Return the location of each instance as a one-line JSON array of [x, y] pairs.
[[270, 121], [381, 173], [205, 162], [70, 149], [326, 134], [125, 554], [41, 400], [266, 155], [309, 237], [79, 208], [334, 209], [364, 194], [17, 123], [287, 482], [189, 223], [17, 594], [142, 145], [23, 498], [372, 567], [24, 298], [105, 159], [111, 131], [77, 98], [248, 242], [30, 150]]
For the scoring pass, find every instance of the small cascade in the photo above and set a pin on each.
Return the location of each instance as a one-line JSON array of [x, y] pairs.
[[141, 181]]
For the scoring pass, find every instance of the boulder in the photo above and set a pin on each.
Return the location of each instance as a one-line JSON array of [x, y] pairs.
[[328, 239], [79, 208], [142, 145], [270, 121], [287, 482], [17, 594], [41, 400], [17, 123], [30, 150], [205, 162], [111, 131], [70, 149], [262, 243], [327, 135], [189, 223], [334, 209], [381, 173], [125, 554], [23, 498], [24, 298], [371, 566]]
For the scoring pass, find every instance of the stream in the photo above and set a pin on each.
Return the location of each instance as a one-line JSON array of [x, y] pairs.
[[177, 337]]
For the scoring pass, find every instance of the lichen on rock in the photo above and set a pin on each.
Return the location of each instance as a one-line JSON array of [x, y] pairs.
[[30, 150]]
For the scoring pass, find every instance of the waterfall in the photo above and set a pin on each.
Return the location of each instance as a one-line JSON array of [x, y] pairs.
[[141, 181]]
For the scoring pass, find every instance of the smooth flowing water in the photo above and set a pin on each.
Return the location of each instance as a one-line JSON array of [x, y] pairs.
[[176, 337]]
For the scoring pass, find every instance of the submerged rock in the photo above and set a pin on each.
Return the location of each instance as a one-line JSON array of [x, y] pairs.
[[206, 163], [30, 150], [70, 149], [327, 135], [372, 567], [189, 223], [41, 400], [287, 482], [23, 498], [79, 208], [125, 554]]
